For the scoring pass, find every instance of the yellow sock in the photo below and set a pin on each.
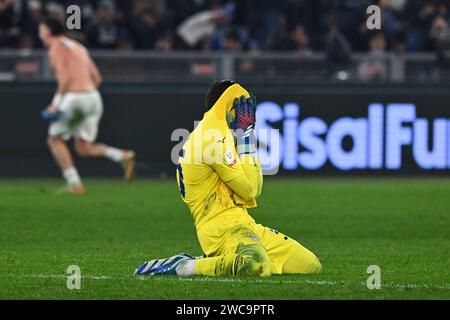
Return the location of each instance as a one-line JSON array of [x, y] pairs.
[[302, 261], [208, 266], [250, 259]]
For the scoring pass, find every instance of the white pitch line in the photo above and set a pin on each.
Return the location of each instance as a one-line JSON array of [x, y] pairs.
[[228, 280], [415, 286], [60, 276], [299, 282]]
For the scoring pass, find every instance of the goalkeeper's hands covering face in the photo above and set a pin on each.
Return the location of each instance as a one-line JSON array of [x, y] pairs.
[[243, 124]]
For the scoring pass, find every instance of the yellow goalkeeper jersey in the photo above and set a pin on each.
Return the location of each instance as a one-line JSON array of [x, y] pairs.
[[212, 178]]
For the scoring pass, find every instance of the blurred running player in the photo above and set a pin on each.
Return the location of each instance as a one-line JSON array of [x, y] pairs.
[[77, 106], [219, 176]]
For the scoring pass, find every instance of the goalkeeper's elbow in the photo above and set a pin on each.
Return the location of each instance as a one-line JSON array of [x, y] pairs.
[[250, 193]]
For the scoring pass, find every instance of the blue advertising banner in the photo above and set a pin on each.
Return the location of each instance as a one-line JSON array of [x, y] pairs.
[[364, 134]]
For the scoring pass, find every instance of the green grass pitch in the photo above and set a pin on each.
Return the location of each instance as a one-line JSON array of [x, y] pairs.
[[401, 225]]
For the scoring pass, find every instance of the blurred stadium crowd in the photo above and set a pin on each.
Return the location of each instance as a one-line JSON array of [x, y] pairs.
[[301, 26]]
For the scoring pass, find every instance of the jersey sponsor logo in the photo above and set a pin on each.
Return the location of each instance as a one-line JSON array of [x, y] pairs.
[[221, 140], [229, 158]]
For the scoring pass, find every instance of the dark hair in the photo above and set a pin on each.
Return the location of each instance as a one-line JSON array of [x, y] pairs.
[[55, 25], [216, 89]]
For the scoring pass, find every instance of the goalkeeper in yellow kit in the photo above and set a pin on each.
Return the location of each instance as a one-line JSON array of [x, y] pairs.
[[219, 176]]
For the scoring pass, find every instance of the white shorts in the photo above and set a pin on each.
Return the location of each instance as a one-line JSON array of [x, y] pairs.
[[81, 114]]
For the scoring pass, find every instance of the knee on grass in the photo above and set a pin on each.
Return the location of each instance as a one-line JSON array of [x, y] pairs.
[[83, 149], [313, 266], [302, 263], [52, 141]]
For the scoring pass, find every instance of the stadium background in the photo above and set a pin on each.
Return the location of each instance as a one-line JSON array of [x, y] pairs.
[[302, 52]]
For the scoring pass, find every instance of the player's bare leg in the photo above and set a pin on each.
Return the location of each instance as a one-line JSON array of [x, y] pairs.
[[302, 261], [124, 157], [64, 160]]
